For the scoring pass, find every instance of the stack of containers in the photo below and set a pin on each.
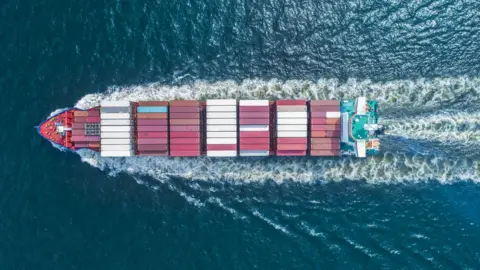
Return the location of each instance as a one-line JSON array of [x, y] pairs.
[[325, 127], [254, 121], [116, 129], [291, 128], [152, 128], [222, 127], [185, 128], [80, 137]]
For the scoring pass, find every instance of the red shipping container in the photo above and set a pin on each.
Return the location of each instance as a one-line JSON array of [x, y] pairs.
[[185, 153], [254, 146], [94, 144], [184, 140], [333, 127], [78, 126], [254, 115], [334, 134], [79, 138], [152, 141], [79, 119], [318, 114], [185, 134], [291, 147], [325, 153], [255, 140], [78, 132], [94, 113], [254, 134], [93, 119], [152, 122], [325, 146], [80, 144], [184, 128], [184, 103], [184, 115], [324, 140], [184, 147], [318, 121], [152, 128], [253, 121], [333, 121], [152, 116], [80, 113], [292, 153], [315, 134], [291, 140], [177, 122], [163, 134], [318, 127], [324, 102], [213, 147], [184, 109], [152, 147], [153, 153], [92, 138], [254, 108], [291, 102], [153, 103], [325, 108]]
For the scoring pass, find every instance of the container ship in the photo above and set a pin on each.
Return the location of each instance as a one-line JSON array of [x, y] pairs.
[[220, 128]]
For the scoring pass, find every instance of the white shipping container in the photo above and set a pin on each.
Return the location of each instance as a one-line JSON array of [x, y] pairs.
[[116, 153], [222, 115], [222, 153], [115, 135], [115, 128], [254, 127], [118, 116], [115, 141], [115, 104], [254, 153], [333, 114], [292, 127], [124, 122], [292, 121], [291, 134], [228, 134], [291, 114], [116, 147], [231, 108], [221, 102], [231, 121], [254, 103], [221, 140], [221, 128]]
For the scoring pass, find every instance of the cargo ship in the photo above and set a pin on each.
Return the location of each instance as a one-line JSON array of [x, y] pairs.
[[220, 128]]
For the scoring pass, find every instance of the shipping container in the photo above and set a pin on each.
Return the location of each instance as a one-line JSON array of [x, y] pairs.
[[95, 144], [163, 134], [79, 119], [254, 109], [221, 147], [222, 115], [291, 140], [255, 115], [291, 108], [185, 153], [291, 147], [115, 104], [292, 127], [125, 122], [116, 153], [184, 109], [225, 153], [254, 147], [292, 134], [324, 103], [184, 103], [254, 121], [78, 132], [325, 109], [254, 127], [152, 147], [184, 147], [176, 122], [254, 153], [152, 141], [254, 134], [184, 115], [155, 109], [221, 134], [325, 146], [255, 140], [325, 140], [255, 103], [81, 144], [85, 138], [116, 128], [152, 122], [291, 153], [318, 121], [221, 128], [185, 128], [292, 115], [290, 102], [80, 113], [231, 108], [333, 114], [117, 116], [318, 114], [78, 125], [333, 121], [153, 103], [92, 119], [115, 141], [335, 134], [94, 113], [153, 153], [231, 121], [184, 141], [115, 110], [315, 134], [184, 134], [221, 102], [115, 135], [221, 140], [152, 116], [152, 128], [324, 153], [116, 147], [292, 121]]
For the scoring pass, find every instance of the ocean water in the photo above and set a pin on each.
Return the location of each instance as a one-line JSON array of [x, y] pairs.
[[415, 206]]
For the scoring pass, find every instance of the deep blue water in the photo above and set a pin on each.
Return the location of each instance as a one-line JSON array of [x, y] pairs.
[[416, 206]]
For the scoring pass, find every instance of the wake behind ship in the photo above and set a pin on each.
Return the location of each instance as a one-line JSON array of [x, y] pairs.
[[220, 128]]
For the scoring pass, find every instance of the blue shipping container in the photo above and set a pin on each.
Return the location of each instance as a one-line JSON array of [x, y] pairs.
[[156, 109]]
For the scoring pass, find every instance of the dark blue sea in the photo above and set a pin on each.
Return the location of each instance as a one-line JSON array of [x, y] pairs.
[[414, 206]]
